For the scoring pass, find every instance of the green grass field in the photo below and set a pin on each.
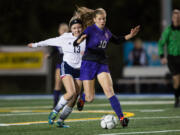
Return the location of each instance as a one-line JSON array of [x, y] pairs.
[[155, 116]]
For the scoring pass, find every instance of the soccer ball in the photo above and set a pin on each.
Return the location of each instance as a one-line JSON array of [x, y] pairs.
[[108, 121]]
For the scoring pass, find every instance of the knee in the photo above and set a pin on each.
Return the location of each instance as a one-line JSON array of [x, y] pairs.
[[71, 94], [176, 84], [89, 98]]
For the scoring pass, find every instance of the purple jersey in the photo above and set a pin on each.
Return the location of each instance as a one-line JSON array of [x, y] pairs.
[[96, 43], [94, 59]]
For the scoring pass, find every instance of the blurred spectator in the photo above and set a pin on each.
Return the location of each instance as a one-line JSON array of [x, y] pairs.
[[138, 56]]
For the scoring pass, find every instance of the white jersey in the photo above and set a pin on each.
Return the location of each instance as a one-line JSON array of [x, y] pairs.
[[72, 55]]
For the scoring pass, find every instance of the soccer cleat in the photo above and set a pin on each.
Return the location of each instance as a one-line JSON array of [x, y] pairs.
[[52, 117], [80, 104], [124, 122], [61, 124]]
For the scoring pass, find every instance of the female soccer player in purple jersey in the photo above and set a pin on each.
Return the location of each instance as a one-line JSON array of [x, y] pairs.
[[94, 63]]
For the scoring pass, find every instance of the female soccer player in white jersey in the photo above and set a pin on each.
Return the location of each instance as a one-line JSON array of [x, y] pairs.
[[70, 69], [94, 63]]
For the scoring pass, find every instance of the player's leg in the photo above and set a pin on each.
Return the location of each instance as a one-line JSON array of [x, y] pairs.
[[106, 83], [72, 102], [88, 95], [179, 90], [57, 87], [176, 86], [69, 85], [87, 74], [89, 90], [174, 67], [69, 107]]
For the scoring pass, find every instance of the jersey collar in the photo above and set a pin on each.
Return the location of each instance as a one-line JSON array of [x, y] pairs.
[[101, 30]]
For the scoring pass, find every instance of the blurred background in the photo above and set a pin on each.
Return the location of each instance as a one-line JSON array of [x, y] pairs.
[[27, 71]]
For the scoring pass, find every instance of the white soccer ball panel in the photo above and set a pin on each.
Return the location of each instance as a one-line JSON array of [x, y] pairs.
[[103, 124], [108, 118], [108, 121], [115, 120], [110, 125]]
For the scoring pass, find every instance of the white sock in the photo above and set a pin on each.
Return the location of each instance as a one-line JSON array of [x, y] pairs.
[[62, 102], [55, 111], [65, 113]]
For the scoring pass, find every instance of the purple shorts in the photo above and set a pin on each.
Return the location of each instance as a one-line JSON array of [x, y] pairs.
[[90, 69]]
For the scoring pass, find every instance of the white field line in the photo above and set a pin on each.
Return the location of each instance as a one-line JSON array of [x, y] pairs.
[[162, 117], [39, 113], [27, 107], [20, 114], [146, 132], [85, 120], [154, 110], [121, 96], [122, 103]]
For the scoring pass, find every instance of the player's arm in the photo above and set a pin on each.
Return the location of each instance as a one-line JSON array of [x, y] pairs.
[[162, 42], [49, 42], [80, 39], [118, 40]]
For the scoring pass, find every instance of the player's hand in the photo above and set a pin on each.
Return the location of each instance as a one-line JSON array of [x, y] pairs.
[[47, 55], [163, 61], [81, 38], [134, 31], [30, 45]]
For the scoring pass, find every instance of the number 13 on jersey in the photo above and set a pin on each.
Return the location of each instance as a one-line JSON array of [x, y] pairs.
[[77, 49]]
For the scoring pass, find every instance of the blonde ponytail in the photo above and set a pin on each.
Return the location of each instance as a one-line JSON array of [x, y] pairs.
[[87, 15]]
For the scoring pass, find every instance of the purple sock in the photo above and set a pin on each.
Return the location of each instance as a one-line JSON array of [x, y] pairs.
[[115, 104], [83, 97], [56, 95]]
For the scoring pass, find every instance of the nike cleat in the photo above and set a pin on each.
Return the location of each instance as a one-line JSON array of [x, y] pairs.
[[80, 104], [124, 122], [61, 124], [52, 117]]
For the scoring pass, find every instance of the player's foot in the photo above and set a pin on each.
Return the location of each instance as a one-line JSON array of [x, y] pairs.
[[80, 104], [61, 124], [52, 117], [124, 122]]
